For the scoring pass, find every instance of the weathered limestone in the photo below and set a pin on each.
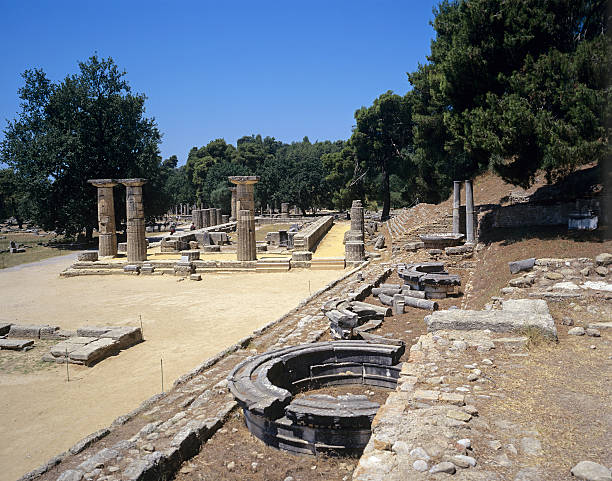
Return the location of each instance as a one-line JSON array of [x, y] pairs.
[[515, 315], [196, 218], [218, 219], [233, 204], [245, 208], [107, 236], [469, 212], [206, 218], [284, 209], [245, 198], [354, 247], [136, 239], [314, 423], [456, 207], [354, 251], [307, 238], [247, 247]]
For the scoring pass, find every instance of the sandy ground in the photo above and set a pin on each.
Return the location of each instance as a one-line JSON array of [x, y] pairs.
[[183, 322], [331, 245]]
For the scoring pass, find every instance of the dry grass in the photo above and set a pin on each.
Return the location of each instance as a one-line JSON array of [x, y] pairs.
[[33, 254]]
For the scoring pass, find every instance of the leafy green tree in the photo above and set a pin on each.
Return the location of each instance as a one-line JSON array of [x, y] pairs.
[[90, 125], [514, 86], [13, 200], [381, 137]]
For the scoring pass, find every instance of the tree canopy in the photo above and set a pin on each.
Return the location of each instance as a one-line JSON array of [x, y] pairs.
[[89, 125]]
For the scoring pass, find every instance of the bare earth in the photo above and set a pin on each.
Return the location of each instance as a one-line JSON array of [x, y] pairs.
[[183, 322]]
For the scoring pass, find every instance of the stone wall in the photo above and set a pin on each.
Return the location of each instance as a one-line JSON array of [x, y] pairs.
[[307, 238]]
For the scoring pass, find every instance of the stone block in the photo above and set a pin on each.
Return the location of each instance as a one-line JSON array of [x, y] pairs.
[[49, 332], [523, 265], [184, 269], [92, 331], [125, 336], [95, 351], [211, 248], [88, 256], [25, 331], [189, 256], [122, 247], [195, 277], [15, 344], [131, 269]]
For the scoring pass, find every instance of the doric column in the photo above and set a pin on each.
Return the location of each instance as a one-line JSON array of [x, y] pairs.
[[357, 224], [247, 248], [233, 212], [136, 239], [196, 218], [456, 206], [245, 191], [218, 215], [107, 235], [284, 209], [245, 207], [205, 214], [469, 212]]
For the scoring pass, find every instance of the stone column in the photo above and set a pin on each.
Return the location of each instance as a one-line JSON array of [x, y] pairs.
[[245, 198], [469, 212], [136, 239], [205, 213], [107, 235], [218, 215], [357, 224], [354, 247], [233, 212], [246, 236], [196, 218], [457, 206], [245, 206], [284, 209]]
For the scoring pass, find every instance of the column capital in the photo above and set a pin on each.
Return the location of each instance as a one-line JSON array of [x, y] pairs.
[[132, 182], [244, 179], [103, 182]]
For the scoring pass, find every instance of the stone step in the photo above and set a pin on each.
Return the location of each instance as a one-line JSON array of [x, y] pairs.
[[327, 263]]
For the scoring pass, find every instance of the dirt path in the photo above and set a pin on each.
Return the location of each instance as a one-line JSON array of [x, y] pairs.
[[183, 322], [331, 245]]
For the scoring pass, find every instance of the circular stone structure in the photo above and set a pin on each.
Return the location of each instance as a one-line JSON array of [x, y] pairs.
[[265, 385]]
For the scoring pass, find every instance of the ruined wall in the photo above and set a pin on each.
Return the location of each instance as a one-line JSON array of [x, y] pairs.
[[307, 238]]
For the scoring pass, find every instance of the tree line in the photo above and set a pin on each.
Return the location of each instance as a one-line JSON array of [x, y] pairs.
[[513, 87]]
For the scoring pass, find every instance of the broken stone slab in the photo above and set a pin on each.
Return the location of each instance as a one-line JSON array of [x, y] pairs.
[[385, 299], [125, 336], [522, 265], [515, 316], [69, 345], [88, 256], [458, 250], [93, 331], [189, 256], [95, 351], [590, 471], [195, 277], [376, 291], [385, 311], [15, 344], [604, 259]]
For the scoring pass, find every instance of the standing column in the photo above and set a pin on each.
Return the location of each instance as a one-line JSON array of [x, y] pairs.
[[247, 248], [245, 206], [136, 239], [456, 206], [245, 191], [357, 224], [469, 212], [107, 235], [205, 213], [218, 216], [284, 209], [233, 211], [196, 218]]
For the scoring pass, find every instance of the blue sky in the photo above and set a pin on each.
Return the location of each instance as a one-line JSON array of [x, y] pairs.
[[226, 69]]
